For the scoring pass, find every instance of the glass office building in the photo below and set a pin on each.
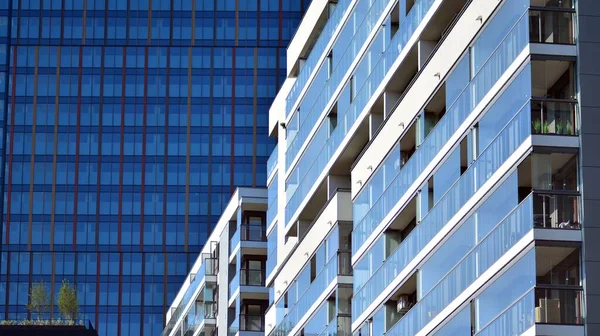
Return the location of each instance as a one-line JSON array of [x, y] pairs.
[[126, 125]]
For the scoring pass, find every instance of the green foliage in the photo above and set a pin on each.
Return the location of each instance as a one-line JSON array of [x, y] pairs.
[[39, 299], [569, 128], [55, 322], [537, 126], [559, 127], [8, 322], [546, 127], [68, 303]]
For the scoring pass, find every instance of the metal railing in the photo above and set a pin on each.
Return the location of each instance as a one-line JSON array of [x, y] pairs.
[[556, 211], [252, 322], [252, 277], [554, 117]]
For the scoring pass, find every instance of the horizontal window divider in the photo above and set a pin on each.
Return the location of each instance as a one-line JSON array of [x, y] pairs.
[[553, 9]]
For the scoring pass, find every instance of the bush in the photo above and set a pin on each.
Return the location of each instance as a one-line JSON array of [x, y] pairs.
[[39, 299], [68, 303]]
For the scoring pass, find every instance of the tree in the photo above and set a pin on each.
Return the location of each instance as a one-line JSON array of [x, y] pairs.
[[68, 303], [39, 299]]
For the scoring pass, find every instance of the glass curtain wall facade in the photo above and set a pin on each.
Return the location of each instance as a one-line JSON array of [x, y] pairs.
[[126, 125]]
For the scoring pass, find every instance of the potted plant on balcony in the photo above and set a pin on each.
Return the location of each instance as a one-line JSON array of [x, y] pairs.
[[569, 128], [537, 126], [559, 127], [546, 129]]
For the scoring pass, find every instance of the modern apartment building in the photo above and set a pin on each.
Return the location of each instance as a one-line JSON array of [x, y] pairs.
[[125, 127], [225, 292], [436, 171]]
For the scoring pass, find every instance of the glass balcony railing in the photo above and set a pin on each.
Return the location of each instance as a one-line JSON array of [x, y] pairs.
[[208, 267], [272, 211], [272, 200], [351, 39], [256, 233], [551, 26], [549, 117], [509, 139], [339, 264], [339, 326], [252, 322], [554, 117], [311, 62], [515, 320], [558, 306], [556, 211], [318, 322], [271, 262], [234, 241], [504, 236], [234, 284], [272, 161], [234, 327], [482, 82], [271, 251], [539, 305], [318, 154], [252, 277], [203, 311]]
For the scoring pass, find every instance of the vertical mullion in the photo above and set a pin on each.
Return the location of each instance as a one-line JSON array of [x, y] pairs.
[[254, 116], [77, 137], [188, 150], [33, 138], [55, 149]]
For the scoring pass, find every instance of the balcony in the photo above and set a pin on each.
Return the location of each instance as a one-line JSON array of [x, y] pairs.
[[316, 52], [556, 211], [323, 146], [371, 210], [248, 284], [553, 117], [338, 326], [252, 322], [551, 25], [248, 239], [372, 206], [538, 306], [209, 270], [206, 274], [252, 277], [202, 318], [539, 294], [332, 317], [338, 265], [558, 296], [247, 325]]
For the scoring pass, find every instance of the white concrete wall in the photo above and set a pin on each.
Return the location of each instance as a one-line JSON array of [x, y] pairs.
[[278, 108]]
